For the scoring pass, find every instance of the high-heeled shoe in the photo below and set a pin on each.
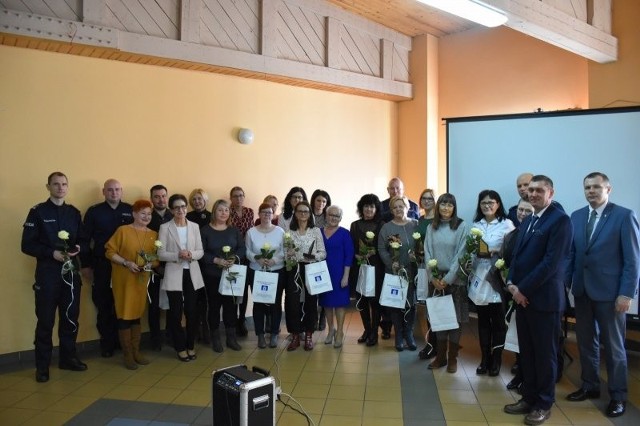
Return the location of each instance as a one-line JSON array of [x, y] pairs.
[[183, 358], [191, 353], [338, 340], [330, 336]]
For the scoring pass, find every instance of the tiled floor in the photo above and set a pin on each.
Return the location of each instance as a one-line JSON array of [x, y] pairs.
[[354, 385]]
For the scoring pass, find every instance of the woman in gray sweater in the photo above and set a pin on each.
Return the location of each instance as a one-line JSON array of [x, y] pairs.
[[445, 242]]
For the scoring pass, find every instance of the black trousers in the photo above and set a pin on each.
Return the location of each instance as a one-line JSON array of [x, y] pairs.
[[299, 316], [53, 294], [180, 302], [102, 297], [216, 301], [261, 310]]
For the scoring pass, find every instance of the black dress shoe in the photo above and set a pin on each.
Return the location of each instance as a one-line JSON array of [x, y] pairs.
[[537, 417], [42, 376], [73, 364], [616, 408], [363, 338], [582, 394], [514, 383], [520, 407]]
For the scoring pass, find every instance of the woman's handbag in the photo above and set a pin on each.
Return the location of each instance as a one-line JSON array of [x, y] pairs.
[[480, 290], [366, 284], [233, 280], [265, 287], [394, 291], [442, 312], [317, 279]]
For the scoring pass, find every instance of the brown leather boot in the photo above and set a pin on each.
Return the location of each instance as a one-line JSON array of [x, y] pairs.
[[441, 356], [308, 341], [127, 350], [452, 362], [295, 342], [136, 336]]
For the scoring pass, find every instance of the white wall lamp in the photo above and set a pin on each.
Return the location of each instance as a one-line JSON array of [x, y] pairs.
[[245, 136], [472, 10]]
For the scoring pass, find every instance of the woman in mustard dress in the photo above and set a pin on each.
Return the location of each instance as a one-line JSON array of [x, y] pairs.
[[130, 273]]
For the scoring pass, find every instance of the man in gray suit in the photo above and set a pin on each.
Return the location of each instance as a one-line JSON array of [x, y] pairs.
[[604, 272]]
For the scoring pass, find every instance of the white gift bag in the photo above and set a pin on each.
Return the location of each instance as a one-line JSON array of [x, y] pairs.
[[394, 291], [422, 286], [317, 279], [442, 313], [480, 291], [233, 280], [265, 287], [511, 341], [366, 284]]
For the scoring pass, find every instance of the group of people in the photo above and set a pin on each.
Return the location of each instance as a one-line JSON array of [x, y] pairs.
[[134, 253]]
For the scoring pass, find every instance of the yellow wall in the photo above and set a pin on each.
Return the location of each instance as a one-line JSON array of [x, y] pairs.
[[617, 84], [94, 119], [501, 71]]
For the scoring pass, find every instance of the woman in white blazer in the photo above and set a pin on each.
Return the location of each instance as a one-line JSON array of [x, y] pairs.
[[181, 249]]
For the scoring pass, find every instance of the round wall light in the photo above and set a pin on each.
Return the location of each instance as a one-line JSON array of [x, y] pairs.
[[245, 136]]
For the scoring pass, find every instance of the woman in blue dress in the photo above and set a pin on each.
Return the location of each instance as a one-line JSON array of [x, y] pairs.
[[339, 247]]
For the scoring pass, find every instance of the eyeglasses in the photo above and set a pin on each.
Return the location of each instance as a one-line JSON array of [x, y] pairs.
[[180, 207], [266, 212], [302, 211], [337, 216], [427, 198], [487, 203]]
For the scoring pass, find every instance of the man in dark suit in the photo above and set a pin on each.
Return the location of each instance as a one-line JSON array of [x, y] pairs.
[[604, 272], [536, 281], [396, 189]]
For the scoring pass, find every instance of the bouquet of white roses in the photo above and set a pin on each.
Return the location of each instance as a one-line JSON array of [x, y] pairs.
[[471, 247]]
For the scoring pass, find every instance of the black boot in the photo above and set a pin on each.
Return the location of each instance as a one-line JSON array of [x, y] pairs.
[[407, 329], [484, 336], [216, 344], [366, 322], [496, 362], [232, 342], [397, 320]]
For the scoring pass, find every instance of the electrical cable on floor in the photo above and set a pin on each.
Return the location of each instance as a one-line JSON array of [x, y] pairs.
[[301, 410]]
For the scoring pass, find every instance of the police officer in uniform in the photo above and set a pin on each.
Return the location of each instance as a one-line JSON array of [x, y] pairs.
[[57, 281], [100, 222], [161, 214]]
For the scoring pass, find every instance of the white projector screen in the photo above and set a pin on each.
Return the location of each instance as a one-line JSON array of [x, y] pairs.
[[490, 152]]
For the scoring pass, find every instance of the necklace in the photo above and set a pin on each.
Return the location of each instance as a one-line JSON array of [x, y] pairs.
[[140, 243]]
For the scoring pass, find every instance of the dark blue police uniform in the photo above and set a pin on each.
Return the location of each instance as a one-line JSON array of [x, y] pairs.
[[100, 223]]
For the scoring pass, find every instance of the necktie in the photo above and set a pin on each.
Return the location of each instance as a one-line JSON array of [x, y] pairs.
[[590, 225], [534, 220]]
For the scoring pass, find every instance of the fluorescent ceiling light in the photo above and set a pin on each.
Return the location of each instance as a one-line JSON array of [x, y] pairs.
[[471, 10]]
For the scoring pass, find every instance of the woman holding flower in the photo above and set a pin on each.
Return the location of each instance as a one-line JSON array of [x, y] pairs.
[[444, 245], [491, 219], [339, 248], [265, 253], [181, 249], [364, 235], [126, 249], [395, 243], [305, 246], [223, 246]]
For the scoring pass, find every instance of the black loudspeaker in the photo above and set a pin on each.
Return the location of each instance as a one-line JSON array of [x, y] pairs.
[[243, 398]]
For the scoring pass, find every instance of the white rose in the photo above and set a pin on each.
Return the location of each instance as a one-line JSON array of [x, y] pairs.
[[499, 263], [476, 232], [432, 263], [158, 244], [63, 235], [370, 235], [416, 236], [287, 236], [226, 249], [395, 245], [266, 246]]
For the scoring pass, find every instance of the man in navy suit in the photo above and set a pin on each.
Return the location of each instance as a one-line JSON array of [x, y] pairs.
[[536, 281], [604, 272]]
